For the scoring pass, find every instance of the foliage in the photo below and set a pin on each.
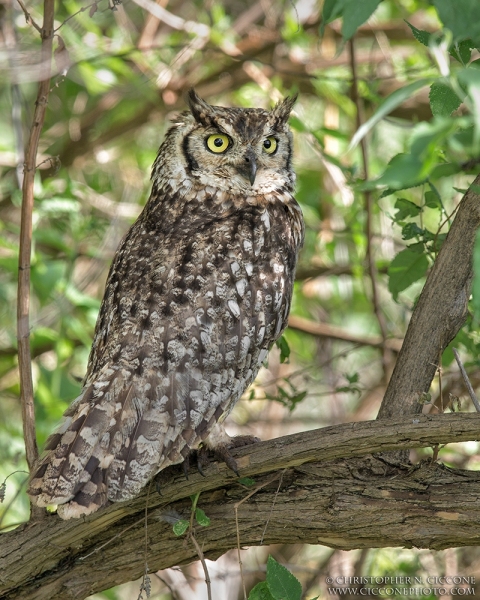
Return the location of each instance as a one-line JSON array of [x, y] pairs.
[[121, 74], [181, 525], [279, 585]]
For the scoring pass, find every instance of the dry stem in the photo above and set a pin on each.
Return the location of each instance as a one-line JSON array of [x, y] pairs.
[[467, 381], [23, 299]]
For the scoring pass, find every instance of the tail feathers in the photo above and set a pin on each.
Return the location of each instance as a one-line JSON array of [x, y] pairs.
[[116, 435], [74, 468]]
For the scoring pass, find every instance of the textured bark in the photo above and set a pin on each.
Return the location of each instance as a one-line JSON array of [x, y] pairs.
[[320, 492], [439, 314]]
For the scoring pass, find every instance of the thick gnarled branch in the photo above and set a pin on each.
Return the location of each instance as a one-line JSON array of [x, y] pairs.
[[326, 482]]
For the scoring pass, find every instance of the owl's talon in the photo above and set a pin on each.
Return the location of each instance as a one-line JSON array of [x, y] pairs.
[[186, 467], [222, 453], [202, 460]]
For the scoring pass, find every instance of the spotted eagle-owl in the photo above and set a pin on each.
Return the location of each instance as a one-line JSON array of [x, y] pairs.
[[198, 291]]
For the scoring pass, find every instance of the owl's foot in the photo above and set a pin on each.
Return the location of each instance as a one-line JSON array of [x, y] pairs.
[[222, 451], [220, 444]]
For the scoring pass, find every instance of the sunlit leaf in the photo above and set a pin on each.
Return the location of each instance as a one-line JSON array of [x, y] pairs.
[[422, 36], [260, 592], [181, 527], [284, 348], [443, 100], [461, 17], [391, 102], [404, 170], [282, 584], [201, 518], [406, 209], [355, 13], [407, 267]]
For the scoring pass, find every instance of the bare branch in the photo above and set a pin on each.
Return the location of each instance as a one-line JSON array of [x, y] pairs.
[[473, 396], [337, 333], [28, 17], [23, 298], [172, 20]]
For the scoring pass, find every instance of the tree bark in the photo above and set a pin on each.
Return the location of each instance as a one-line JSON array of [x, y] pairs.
[[439, 314], [344, 502]]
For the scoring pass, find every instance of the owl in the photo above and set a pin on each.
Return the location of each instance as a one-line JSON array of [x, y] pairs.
[[198, 291]]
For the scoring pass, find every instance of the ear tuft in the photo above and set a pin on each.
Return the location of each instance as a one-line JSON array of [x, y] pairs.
[[283, 109], [201, 111]]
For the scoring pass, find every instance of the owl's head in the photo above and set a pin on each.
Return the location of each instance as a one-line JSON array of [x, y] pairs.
[[238, 150]]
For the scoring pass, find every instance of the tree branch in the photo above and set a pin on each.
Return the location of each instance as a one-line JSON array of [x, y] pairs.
[[325, 481], [23, 298], [439, 314], [337, 333]]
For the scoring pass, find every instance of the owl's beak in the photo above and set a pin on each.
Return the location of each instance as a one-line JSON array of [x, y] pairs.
[[251, 165]]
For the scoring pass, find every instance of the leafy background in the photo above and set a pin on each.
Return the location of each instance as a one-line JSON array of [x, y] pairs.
[[387, 136]]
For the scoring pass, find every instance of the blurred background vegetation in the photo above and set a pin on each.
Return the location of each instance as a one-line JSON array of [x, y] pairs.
[[376, 211]]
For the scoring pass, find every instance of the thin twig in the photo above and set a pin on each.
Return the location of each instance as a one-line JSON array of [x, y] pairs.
[[191, 535], [440, 382], [271, 508], [83, 9], [372, 268], [467, 381], [338, 333], [3, 489], [25, 243], [28, 17], [235, 508], [173, 593], [204, 565]]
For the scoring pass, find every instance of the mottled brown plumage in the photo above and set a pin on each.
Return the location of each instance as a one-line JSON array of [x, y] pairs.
[[198, 291]]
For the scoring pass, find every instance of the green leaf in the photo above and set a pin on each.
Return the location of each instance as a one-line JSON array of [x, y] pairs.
[[247, 481], [260, 592], [411, 230], [406, 209], [408, 266], [332, 9], [462, 51], [202, 518], [355, 13], [445, 170], [284, 348], [181, 527], [470, 80], [391, 102], [353, 378], [404, 170], [282, 584], [443, 100], [432, 200], [476, 279], [461, 17], [422, 36]]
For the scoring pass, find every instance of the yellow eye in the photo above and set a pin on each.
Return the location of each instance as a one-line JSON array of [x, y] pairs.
[[270, 145], [218, 143]]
